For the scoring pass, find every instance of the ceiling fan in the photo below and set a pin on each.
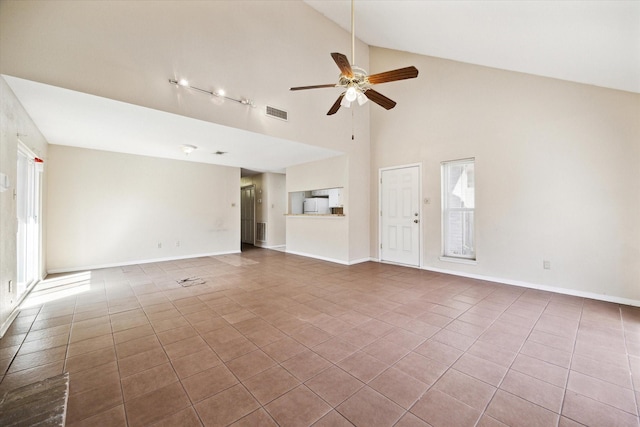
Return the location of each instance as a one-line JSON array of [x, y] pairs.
[[357, 83]]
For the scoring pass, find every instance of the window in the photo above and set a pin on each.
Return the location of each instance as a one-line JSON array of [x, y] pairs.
[[458, 206]]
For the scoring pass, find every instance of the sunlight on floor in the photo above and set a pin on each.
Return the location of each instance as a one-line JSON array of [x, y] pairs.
[[57, 288]]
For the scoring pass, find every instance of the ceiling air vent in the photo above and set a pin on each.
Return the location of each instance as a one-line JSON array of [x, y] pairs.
[[276, 113]]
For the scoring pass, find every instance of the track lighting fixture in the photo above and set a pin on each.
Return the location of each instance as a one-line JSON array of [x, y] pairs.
[[219, 93]]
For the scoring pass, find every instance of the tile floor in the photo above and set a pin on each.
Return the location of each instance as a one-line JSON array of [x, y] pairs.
[[275, 339]]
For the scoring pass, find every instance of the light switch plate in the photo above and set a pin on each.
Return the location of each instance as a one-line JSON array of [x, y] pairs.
[[4, 183]]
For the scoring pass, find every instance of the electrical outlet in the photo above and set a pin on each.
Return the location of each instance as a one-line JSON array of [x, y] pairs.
[[159, 245], [546, 264], [177, 243]]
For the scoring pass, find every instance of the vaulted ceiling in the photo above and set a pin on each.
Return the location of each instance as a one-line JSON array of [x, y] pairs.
[[593, 42]]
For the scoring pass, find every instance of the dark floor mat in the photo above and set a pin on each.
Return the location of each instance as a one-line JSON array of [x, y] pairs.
[[43, 403]]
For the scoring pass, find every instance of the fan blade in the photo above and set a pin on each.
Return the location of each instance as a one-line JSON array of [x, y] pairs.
[[336, 105], [313, 87], [380, 99], [390, 76], [343, 64]]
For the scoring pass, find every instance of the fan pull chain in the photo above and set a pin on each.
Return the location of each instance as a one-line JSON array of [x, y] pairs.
[[353, 126]]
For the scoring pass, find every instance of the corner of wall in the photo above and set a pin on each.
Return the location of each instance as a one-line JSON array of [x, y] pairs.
[[14, 120]]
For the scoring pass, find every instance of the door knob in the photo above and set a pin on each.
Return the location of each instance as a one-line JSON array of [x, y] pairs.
[[416, 221]]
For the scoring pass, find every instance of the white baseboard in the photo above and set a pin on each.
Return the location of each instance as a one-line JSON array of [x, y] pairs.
[[321, 258], [564, 291], [7, 323], [359, 261], [273, 247], [16, 310], [144, 261]]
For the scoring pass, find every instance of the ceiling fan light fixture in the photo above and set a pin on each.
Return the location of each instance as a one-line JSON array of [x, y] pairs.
[[362, 98], [351, 94], [183, 82], [357, 82]]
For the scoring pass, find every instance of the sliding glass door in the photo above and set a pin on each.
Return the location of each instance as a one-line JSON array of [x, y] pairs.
[[28, 213]]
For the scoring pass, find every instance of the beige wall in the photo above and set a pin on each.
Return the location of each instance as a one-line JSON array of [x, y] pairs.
[[13, 120], [556, 171], [357, 193], [276, 206], [324, 237], [113, 209]]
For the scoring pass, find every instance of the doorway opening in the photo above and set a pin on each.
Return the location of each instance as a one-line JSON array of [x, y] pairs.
[[247, 216]]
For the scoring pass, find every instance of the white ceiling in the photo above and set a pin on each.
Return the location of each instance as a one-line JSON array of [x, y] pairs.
[[593, 42], [66, 117]]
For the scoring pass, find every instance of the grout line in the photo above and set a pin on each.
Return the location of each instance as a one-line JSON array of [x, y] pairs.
[[13, 358], [573, 349], [635, 382]]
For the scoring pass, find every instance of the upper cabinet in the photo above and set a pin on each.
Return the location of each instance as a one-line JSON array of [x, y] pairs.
[[335, 198], [334, 195]]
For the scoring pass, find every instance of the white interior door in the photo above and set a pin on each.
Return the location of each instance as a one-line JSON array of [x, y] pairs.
[[247, 214], [400, 215]]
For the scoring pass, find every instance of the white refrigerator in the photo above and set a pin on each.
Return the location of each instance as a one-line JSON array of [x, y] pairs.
[[316, 205]]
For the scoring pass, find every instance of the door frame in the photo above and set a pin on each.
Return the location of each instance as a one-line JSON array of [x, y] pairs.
[[36, 252], [253, 207], [419, 201]]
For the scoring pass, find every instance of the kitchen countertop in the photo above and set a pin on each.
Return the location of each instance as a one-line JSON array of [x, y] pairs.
[[316, 215]]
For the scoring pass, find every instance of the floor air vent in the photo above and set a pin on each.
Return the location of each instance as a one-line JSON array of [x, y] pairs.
[[277, 113], [261, 232]]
